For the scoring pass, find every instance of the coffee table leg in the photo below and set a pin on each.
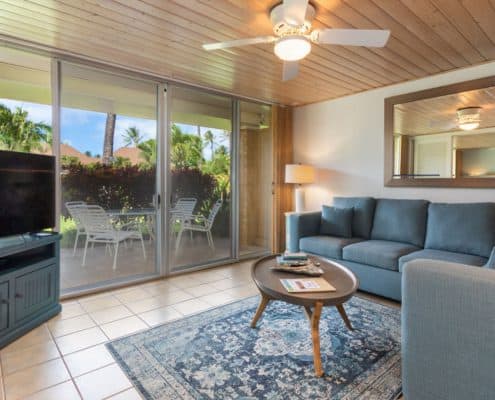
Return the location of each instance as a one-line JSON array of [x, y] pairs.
[[315, 334], [264, 301], [344, 316]]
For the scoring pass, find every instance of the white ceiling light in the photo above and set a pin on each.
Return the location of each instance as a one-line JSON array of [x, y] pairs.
[[292, 48], [468, 118]]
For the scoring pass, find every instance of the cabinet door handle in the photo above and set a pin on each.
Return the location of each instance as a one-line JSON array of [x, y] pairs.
[[19, 296]]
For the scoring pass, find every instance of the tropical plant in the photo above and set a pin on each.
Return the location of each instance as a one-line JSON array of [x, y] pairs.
[[148, 153], [132, 137], [121, 162], [19, 133], [209, 139], [187, 149]]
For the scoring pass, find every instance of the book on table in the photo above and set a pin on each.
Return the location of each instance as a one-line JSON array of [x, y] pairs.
[[301, 256], [313, 285]]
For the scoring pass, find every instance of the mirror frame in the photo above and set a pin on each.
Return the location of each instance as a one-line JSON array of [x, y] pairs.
[[390, 102]]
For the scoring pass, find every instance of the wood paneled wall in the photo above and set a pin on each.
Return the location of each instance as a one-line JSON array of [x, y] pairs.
[[283, 147]]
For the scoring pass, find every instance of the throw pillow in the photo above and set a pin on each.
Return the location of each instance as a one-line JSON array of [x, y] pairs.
[[336, 221]]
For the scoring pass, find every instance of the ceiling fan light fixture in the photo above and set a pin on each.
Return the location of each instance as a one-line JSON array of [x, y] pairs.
[[468, 118], [292, 48]]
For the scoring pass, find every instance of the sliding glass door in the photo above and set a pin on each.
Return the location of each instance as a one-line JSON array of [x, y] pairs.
[[200, 147], [108, 158]]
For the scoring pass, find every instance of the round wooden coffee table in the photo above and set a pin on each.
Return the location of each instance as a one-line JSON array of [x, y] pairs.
[[268, 282]]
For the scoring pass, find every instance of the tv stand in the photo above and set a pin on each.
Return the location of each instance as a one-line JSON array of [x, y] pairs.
[[29, 283]]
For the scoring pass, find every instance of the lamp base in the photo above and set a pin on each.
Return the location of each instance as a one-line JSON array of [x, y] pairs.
[[299, 196]]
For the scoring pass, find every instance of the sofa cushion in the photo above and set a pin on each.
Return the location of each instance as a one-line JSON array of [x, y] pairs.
[[430, 254], [464, 228], [336, 221], [400, 221], [326, 246], [378, 253], [362, 219]]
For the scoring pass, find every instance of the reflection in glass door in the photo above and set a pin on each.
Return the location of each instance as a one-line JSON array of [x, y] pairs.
[[255, 178], [108, 177], [200, 178]]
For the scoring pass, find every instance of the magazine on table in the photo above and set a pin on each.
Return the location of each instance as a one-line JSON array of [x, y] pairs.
[[313, 285]]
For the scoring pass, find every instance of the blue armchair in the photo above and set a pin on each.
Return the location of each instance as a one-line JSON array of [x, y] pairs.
[[448, 331]]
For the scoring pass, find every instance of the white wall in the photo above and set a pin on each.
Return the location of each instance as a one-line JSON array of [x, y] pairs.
[[343, 138]]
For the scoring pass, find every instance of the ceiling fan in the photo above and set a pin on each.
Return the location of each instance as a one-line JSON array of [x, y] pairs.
[[291, 20]]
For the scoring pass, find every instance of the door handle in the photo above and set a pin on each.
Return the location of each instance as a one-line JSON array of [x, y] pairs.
[[4, 301], [18, 295]]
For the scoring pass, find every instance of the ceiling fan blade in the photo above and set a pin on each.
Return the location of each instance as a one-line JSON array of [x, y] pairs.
[[353, 37], [295, 11], [290, 70], [239, 42]]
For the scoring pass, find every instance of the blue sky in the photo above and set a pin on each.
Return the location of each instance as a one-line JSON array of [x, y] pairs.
[[84, 130]]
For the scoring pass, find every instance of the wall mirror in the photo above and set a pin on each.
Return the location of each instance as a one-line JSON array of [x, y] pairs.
[[442, 137]]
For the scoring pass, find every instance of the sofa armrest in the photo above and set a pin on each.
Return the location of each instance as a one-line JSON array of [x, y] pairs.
[[491, 261], [448, 331], [299, 225]]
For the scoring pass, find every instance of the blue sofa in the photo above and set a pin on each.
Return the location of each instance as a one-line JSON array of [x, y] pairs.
[[448, 331], [388, 233]]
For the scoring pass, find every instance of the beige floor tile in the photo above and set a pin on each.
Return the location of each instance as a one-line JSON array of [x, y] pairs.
[[208, 276], [66, 326], [184, 281], [16, 360], [160, 315], [123, 327], [38, 335], [129, 394], [31, 380], [217, 299], [240, 292], [70, 310], [162, 300], [130, 296], [192, 306], [102, 383], [87, 360], [160, 288], [63, 391], [80, 340], [201, 290], [92, 305], [110, 314], [226, 283]]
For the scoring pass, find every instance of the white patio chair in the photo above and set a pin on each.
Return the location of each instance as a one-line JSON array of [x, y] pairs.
[[74, 208], [182, 211], [99, 229], [199, 223]]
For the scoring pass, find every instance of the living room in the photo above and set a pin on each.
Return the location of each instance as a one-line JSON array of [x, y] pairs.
[[176, 163]]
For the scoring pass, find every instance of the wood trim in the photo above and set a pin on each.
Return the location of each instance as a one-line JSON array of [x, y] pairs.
[[390, 102], [283, 149]]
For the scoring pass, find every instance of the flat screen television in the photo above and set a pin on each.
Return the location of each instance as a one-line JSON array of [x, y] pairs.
[[27, 193]]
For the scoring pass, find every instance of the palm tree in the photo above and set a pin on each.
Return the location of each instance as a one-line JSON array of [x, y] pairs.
[[108, 139], [18, 133], [132, 136], [187, 149], [209, 139], [148, 152]]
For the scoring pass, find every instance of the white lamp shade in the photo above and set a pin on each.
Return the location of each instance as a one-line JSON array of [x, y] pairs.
[[299, 173]]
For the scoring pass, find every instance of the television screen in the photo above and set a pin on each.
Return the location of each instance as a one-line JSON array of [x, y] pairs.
[[27, 192]]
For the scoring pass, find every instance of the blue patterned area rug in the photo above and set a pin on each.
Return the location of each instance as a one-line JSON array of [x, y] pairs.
[[216, 355]]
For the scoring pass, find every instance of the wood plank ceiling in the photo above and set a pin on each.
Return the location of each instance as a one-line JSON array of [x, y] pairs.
[[165, 37]]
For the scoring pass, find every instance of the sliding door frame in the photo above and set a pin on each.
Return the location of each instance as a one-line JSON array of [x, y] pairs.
[[163, 182]]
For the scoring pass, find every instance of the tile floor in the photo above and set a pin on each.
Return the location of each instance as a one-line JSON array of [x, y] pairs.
[[65, 358]]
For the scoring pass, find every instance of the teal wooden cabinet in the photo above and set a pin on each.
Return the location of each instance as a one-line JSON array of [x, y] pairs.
[[4, 306], [29, 284]]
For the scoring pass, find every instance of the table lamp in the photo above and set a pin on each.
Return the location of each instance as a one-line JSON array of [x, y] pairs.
[[299, 174]]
